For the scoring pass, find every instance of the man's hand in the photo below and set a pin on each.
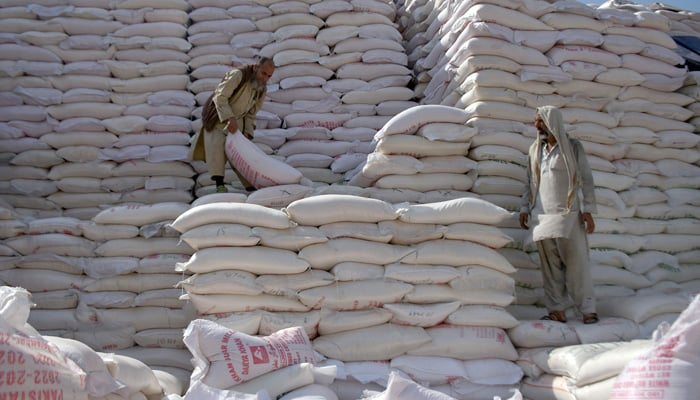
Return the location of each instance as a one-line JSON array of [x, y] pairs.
[[588, 223], [232, 125], [524, 217]]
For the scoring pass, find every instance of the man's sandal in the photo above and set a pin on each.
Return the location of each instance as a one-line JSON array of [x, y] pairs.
[[590, 318], [556, 315]]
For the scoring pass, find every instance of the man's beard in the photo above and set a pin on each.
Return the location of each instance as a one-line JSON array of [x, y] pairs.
[[259, 85], [544, 132]]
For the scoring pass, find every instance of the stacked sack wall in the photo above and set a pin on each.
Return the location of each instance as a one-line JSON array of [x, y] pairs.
[[108, 282], [415, 278], [340, 266], [625, 94], [96, 106], [628, 98], [341, 74], [119, 86]]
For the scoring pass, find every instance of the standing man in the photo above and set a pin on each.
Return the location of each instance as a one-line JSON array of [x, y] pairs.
[[560, 197], [231, 107]]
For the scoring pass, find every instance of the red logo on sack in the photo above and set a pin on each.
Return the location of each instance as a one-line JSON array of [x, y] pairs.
[[259, 354]]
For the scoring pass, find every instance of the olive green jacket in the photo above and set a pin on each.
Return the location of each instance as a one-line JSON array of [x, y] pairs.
[[233, 99]]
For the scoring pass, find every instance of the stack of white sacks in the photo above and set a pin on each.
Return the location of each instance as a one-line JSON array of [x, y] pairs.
[[99, 98], [45, 366], [113, 278], [109, 283], [377, 286], [613, 369], [341, 74], [95, 106], [420, 150], [644, 251], [683, 22], [617, 78]]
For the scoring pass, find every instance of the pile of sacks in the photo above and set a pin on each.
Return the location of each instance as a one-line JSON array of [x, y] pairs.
[[329, 264], [99, 100], [43, 366], [341, 74], [618, 77], [108, 283], [373, 284], [95, 105], [614, 370], [110, 85]]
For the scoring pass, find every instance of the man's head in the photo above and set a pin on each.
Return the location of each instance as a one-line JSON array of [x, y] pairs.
[[549, 123], [540, 125], [263, 70]]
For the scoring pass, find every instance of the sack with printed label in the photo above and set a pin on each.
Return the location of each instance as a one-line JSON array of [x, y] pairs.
[[225, 357], [669, 371]]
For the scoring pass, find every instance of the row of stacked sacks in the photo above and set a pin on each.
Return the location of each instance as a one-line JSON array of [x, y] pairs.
[[683, 22], [100, 100], [442, 37], [341, 74], [373, 275], [613, 72], [75, 185], [37, 366], [285, 364], [345, 268], [422, 149], [653, 255], [96, 109], [616, 370], [372, 284], [582, 60], [329, 264], [286, 367], [114, 291], [583, 368], [640, 137], [685, 260], [108, 283]]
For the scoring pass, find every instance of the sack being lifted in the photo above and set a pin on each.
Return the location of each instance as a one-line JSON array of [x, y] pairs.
[[260, 169]]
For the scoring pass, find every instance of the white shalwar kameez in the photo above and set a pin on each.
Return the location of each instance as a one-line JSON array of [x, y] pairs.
[[553, 199]]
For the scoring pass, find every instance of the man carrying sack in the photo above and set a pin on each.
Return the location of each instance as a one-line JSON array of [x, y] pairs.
[[231, 107]]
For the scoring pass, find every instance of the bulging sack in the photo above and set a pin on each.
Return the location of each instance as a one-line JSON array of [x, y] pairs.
[[225, 357], [257, 167]]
